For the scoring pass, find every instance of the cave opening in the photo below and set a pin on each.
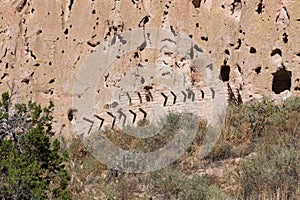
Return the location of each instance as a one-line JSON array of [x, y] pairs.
[[225, 72], [282, 80]]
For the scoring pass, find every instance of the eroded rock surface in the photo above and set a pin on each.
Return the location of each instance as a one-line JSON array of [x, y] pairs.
[[254, 44]]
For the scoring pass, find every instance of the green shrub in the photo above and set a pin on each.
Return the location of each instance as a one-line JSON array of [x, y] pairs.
[[292, 104], [143, 122], [250, 120], [271, 173], [221, 151], [30, 164], [172, 184], [256, 122]]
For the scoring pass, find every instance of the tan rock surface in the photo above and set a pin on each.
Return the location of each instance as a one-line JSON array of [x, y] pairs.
[[44, 43]]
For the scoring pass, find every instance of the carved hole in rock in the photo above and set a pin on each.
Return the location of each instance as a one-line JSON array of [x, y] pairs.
[[93, 44], [227, 52], [21, 5], [282, 80], [149, 96], [136, 55], [236, 5], [196, 3], [285, 38], [283, 15], [257, 70], [51, 91], [276, 51], [225, 72], [204, 38], [71, 114], [31, 53], [252, 50], [52, 81], [70, 5], [4, 75], [239, 43], [25, 80], [260, 7], [66, 31], [144, 21], [239, 68]]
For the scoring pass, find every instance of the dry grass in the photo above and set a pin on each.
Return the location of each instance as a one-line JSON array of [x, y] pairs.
[[263, 135]]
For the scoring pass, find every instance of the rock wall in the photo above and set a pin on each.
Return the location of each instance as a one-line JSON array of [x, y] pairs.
[[254, 43]]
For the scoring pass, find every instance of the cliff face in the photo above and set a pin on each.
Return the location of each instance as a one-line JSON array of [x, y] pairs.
[[254, 44]]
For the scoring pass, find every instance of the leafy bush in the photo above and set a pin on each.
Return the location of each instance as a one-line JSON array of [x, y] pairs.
[[252, 123], [248, 122], [221, 151], [292, 104], [30, 165], [271, 174], [173, 184]]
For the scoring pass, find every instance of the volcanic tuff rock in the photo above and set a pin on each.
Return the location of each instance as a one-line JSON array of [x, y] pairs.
[[253, 43]]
